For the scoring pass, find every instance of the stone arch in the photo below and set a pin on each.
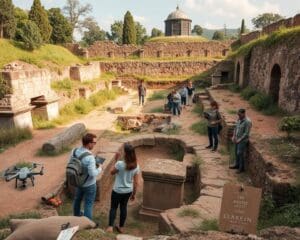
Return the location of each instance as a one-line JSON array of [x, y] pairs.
[[275, 82], [238, 73]]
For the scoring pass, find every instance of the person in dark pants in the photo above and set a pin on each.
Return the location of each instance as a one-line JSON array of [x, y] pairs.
[[241, 138], [190, 90], [176, 103], [88, 191], [124, 188], [214, 119], [142, 92]]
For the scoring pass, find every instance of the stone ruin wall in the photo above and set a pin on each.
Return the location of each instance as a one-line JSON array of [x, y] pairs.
[[26, 84], [287, 23], [255, 70], [108, 49], [157, 68]]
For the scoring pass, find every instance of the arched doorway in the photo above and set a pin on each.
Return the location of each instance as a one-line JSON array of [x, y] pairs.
[[238, 71], [275, 82]]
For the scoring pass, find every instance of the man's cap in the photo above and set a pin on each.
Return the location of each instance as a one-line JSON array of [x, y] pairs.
[[241, 110]]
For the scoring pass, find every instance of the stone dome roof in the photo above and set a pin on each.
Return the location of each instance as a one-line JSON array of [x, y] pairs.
[[178, 14]]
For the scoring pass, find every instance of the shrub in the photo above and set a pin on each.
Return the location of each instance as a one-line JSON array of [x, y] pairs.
[[248, 92], [260, 101], [158, 95], [209, 225], [4, 222], [40, 123], [13, 136], [157, 110], [290, 124], [198, 109], [29, 34], [189, 212], [83, 106], [234, 88], [4, 88], [65, 84]]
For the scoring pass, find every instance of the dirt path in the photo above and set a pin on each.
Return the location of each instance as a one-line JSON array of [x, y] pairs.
[[15, 200]]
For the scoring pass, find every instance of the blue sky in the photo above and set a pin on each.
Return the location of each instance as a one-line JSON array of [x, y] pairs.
[[206, 13]]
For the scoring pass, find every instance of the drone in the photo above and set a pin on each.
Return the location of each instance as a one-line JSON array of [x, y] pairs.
[[23, 173]]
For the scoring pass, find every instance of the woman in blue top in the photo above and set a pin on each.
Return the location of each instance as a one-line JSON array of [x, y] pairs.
[[124, 188]]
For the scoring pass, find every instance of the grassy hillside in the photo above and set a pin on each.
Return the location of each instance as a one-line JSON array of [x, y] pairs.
[[178, 39], [48, 55], [208, 33]]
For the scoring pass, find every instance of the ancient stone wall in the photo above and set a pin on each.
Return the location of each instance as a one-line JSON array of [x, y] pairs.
[[245, 38], [157, 68], [104, 49], [85, 72], [27, 84], [276, 71]]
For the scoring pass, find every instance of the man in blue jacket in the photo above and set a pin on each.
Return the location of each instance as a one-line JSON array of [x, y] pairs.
[[88, 189]]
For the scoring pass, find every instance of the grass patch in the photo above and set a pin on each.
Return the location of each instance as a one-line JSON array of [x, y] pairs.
[[200, 127], [189, 212], [197, 160], [157, 110], [272, 215], [158, 95], [287, 149], [289, 35], [198, 109], [174, 130], [234, 88], [177, 152], [41, 153], [12, 136], [178, 39], [40, 123], [248, 92], [81, 106], [4, 222], [51, 56], [23, 164], [231, 111], [209, 225]]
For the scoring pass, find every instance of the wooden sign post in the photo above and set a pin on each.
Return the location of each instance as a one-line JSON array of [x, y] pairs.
[[239, 209]]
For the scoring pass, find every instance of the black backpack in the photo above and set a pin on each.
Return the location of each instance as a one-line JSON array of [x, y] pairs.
[[75, 174]]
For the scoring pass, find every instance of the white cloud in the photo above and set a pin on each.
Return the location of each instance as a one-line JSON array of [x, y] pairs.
[[231, 8], [140, 19]]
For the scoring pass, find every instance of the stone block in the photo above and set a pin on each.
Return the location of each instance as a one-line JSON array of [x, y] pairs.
[[163, 186]]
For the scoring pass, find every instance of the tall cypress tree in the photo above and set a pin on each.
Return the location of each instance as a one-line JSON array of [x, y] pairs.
[[243, 27], [7, 19], [39, 16], [129, 32]]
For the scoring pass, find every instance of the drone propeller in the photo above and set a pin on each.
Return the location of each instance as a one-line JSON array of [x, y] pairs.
[[10, 177]]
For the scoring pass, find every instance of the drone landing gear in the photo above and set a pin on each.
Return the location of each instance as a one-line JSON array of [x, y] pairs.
[[24, 182]]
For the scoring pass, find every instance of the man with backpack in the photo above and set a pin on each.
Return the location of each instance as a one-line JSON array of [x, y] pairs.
[[81, 173]]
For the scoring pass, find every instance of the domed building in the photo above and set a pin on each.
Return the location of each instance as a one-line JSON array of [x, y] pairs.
[[178, 24]]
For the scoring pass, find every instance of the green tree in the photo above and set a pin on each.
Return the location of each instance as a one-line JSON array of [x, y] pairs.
[[155, 32], [243, 27], [29, 34], [141, 34], [39, 16], [116, 30], [218, 35], [129, 31], [7, 19], [265, 19], [20, 15], [197, 30], [75, 11], [93, 33], [61, 28]]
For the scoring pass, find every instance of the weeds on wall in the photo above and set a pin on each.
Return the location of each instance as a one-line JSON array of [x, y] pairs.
[[188, 212], [4, 88], [208, 225], [158, 95]]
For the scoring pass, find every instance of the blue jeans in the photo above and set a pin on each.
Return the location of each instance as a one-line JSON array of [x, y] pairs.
[[176, 108], [89, 195], [240, 150], [213, 136]]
